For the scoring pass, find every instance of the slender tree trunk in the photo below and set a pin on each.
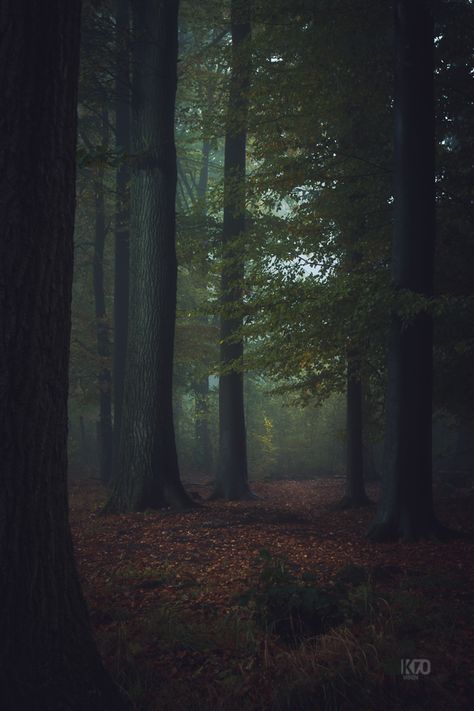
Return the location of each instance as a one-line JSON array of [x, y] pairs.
[[355, 495], [122, 215], [201, 386], [406, 509], [48, 659], [84, 449], [105, 440], [232, 477], [203, 437], [148, 475]]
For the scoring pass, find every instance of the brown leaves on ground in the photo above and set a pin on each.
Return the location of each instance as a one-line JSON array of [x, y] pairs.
[[162, 589]]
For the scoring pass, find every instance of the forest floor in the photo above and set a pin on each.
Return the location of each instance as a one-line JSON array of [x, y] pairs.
[[278, 603]]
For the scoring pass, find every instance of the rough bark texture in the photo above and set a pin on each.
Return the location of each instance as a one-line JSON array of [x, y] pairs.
[[105, 434], [48, 659], [148, 475], [122, 215], [232, 477], [406, 509]]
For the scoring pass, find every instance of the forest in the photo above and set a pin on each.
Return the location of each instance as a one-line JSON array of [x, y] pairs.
[[236, 355]]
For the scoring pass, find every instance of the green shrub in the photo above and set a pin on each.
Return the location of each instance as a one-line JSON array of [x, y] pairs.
[[297, 609]]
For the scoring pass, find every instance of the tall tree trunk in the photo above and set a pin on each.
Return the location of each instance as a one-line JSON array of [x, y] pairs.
[[122, 214], [355, 495], [148, 475], [105, 440], [232, 477], [201, 386], [406, 509], [48, 659]]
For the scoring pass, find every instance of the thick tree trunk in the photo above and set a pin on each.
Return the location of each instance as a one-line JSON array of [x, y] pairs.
[[48, 659], [232, 477], [122, 215], [148, 475], [355, 495], [105, 435], [406, 509]]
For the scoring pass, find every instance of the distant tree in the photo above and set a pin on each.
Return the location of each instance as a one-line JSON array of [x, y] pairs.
[[406, 508], [105, 434], [355, 494], [48, 659], [204, 32], [232, 476], [93, 190], [122, 211], [201, 384], [320, 183], [148, 474]]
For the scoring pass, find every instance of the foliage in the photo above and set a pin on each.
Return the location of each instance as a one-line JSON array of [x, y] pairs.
[[319, 215], [295, 609]]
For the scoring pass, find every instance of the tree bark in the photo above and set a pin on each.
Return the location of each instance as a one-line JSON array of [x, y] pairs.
[[48, 659], [353, 232], [201, 386], [148, 475], [355, 495], [203, 438], [105, 434], [406, 509], [232, 476], [122, 214]]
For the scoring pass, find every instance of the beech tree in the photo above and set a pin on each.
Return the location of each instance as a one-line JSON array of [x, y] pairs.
[[201, 384], [148, 475], [105, 434], [48, 659], [122, 211], [232, 476], [355, 494], [406, 508]]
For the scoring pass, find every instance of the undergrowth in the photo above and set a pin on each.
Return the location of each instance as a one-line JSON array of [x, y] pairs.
[[289, 644]]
